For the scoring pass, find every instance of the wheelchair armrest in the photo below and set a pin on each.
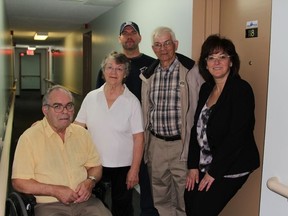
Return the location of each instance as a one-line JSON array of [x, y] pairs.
[[99, 190], [28, 198]]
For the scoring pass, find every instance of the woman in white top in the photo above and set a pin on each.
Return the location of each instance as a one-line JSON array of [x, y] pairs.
[[113, 116]]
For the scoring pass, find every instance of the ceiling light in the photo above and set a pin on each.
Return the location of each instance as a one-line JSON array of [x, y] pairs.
[[31, 48], [41, 36]]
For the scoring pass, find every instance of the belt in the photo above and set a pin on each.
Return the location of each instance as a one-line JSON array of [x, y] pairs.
[[166, 138]]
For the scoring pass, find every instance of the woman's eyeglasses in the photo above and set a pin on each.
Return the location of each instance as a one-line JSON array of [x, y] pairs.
[[220, 58], [109, 69]]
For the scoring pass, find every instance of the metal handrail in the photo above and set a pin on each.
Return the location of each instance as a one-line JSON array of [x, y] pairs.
[[74, 92]]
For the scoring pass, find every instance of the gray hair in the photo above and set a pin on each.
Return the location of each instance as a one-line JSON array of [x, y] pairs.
[[161, 30], [119, 58], [45, 99]]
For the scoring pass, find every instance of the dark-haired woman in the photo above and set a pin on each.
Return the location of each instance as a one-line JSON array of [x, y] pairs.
[[222, 151]]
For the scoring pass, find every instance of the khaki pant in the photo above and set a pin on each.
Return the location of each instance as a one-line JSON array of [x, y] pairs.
[[92, 207], [167, 176]]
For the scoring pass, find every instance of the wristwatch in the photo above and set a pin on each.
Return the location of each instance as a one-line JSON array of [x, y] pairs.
[[93, 178]]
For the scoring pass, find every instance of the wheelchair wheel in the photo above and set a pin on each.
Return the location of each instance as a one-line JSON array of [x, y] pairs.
[[16, 206]]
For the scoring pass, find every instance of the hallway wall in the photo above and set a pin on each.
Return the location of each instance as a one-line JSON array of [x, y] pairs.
[[67, 63], [6, 85], [276, 141], [6, 75], [148, 14]]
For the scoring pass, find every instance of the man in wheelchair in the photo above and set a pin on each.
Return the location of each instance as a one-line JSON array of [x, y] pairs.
[[56, 161]]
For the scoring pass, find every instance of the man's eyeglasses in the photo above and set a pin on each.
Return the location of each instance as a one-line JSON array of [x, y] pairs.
[[220, 58], [58, 108], [165, 44]]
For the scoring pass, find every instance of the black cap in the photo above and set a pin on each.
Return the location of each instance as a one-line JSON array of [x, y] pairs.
[[129, 23]]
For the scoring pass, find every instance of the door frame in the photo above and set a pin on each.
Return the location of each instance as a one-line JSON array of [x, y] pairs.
[[87, 63]]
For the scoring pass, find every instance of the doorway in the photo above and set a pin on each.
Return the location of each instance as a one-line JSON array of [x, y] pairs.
[[254, 51], [87, 62], [230, 18], [30, 72]]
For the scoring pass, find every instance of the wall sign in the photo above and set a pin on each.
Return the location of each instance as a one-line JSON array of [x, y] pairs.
[[251, 30], [29, 52]]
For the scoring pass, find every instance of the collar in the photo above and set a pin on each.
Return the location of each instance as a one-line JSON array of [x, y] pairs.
[[49, 130]]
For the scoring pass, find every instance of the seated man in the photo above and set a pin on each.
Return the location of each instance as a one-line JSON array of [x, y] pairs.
[[57, 162]]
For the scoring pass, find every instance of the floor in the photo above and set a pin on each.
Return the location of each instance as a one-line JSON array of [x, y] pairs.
[[27, 111]]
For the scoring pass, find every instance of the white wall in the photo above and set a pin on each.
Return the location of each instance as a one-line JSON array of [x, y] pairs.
[[148, 14], [6, 73], [276, 140], [6, 85]]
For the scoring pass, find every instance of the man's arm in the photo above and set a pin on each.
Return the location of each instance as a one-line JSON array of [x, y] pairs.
[[30, 186], [84, 189], [95, 172]]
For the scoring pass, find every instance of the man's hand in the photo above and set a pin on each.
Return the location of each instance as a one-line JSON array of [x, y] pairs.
[[62, 193], [84, 190], [65, 194]]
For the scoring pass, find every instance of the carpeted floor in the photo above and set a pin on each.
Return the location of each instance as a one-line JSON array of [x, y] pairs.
[[27, 111]]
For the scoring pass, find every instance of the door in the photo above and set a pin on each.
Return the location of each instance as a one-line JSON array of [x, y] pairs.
[[231, 19], [253, 48], [30, 76]]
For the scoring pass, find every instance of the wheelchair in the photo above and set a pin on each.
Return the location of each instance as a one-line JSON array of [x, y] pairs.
[[20, 204]]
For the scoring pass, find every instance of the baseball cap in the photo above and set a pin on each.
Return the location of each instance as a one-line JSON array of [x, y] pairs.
[[129, 23]]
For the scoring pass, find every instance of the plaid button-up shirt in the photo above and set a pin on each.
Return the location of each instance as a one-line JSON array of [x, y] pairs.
[[165, 115]]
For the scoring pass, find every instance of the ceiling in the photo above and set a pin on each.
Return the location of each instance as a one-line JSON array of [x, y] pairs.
[[57, 17]]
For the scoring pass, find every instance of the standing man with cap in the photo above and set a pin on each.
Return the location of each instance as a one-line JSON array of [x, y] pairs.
[[170, 89], [129, 38]]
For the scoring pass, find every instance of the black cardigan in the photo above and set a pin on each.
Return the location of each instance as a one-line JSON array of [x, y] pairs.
[[229, 130]]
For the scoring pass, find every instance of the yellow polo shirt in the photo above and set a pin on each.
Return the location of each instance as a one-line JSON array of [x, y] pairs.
[[42, 155]]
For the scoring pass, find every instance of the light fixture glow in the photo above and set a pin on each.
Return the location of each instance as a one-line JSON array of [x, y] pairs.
[[31, 48], [41, 36]]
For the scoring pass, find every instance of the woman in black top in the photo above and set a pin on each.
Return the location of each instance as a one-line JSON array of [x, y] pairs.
[[222, 150]]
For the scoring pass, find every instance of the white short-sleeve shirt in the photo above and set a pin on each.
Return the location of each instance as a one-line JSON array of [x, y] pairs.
[[112, 128]]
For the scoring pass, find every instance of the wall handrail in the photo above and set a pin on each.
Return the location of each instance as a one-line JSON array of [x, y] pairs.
[[5, 156], [75, 93], [276, 186]]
